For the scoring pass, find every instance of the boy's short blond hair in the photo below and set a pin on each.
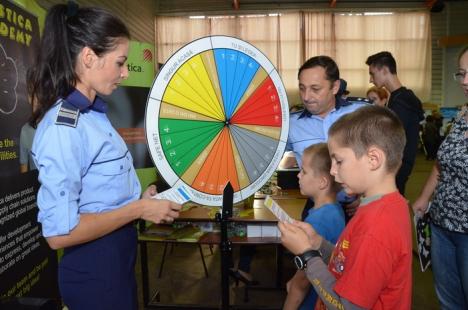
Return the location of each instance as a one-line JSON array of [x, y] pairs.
[[320, 162], [372, 126]]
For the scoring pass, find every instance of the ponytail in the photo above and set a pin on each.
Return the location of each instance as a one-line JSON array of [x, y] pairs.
[[68, 29]]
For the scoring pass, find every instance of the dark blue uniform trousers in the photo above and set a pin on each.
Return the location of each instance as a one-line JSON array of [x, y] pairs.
[[100, 274]]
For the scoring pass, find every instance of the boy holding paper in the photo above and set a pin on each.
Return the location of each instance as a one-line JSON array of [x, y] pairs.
[[327, 217], [370, 265]]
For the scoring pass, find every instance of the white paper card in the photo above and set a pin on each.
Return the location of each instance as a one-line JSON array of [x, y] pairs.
[[277, 210], [178, 195]]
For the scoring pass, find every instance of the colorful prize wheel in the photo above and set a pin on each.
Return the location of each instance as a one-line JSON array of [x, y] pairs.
[[217, 112]]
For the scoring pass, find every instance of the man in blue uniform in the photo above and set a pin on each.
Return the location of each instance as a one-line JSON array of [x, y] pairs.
[[319, 83], [321, 92]]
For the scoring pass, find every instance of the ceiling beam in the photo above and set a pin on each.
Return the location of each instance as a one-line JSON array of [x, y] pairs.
[[207, 7]]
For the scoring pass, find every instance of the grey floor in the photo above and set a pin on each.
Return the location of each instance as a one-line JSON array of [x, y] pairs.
[[183, 280]]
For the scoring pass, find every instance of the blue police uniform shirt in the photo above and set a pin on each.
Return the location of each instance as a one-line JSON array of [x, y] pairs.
[[84, 165], [306, 129]]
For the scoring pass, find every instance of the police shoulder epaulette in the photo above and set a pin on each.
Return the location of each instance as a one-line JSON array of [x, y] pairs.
[[351, 100], [67, 114], [296, 112]]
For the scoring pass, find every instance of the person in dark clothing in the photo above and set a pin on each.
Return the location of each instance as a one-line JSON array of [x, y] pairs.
[[383, 72], [431, 137]]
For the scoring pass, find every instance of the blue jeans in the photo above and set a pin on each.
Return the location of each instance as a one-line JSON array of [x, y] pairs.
[[449, 256]]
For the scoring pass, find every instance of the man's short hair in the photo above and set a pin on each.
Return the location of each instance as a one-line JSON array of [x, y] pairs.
[[382, 59], [331, 68], [372, 126], [320, 162]]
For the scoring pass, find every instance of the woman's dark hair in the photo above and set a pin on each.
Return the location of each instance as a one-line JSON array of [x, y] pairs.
[[68, 29]]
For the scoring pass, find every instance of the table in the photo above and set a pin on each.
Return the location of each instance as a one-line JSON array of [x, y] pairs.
[[292, 205], [291, 201]]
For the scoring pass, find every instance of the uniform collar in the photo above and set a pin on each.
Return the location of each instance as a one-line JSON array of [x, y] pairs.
[[77, 99], [339, 102]]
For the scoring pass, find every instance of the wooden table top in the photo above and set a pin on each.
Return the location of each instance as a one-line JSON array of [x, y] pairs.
[[292, 206]]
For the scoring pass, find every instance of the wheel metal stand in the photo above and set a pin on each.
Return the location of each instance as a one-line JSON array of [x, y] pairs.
[[225, 245]]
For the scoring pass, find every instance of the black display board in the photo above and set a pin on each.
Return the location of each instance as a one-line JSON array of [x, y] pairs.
[[19, 38], [28, 267]]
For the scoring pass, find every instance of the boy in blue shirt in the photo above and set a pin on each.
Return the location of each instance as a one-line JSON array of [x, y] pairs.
[[327, 216]]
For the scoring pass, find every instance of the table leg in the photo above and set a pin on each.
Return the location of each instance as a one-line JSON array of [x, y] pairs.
[[144, 271], [279, 264]]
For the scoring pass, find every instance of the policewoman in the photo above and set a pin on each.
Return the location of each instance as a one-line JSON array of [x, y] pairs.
[[89, 195]]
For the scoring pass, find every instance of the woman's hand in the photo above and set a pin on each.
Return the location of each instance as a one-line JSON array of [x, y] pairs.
[[420, 206], [159, 210], [150, 192]]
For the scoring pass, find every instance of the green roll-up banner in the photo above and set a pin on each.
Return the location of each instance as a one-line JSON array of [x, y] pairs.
[[140, 65]]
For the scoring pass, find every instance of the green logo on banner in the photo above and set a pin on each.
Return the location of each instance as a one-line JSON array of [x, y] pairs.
[[140, 65]]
